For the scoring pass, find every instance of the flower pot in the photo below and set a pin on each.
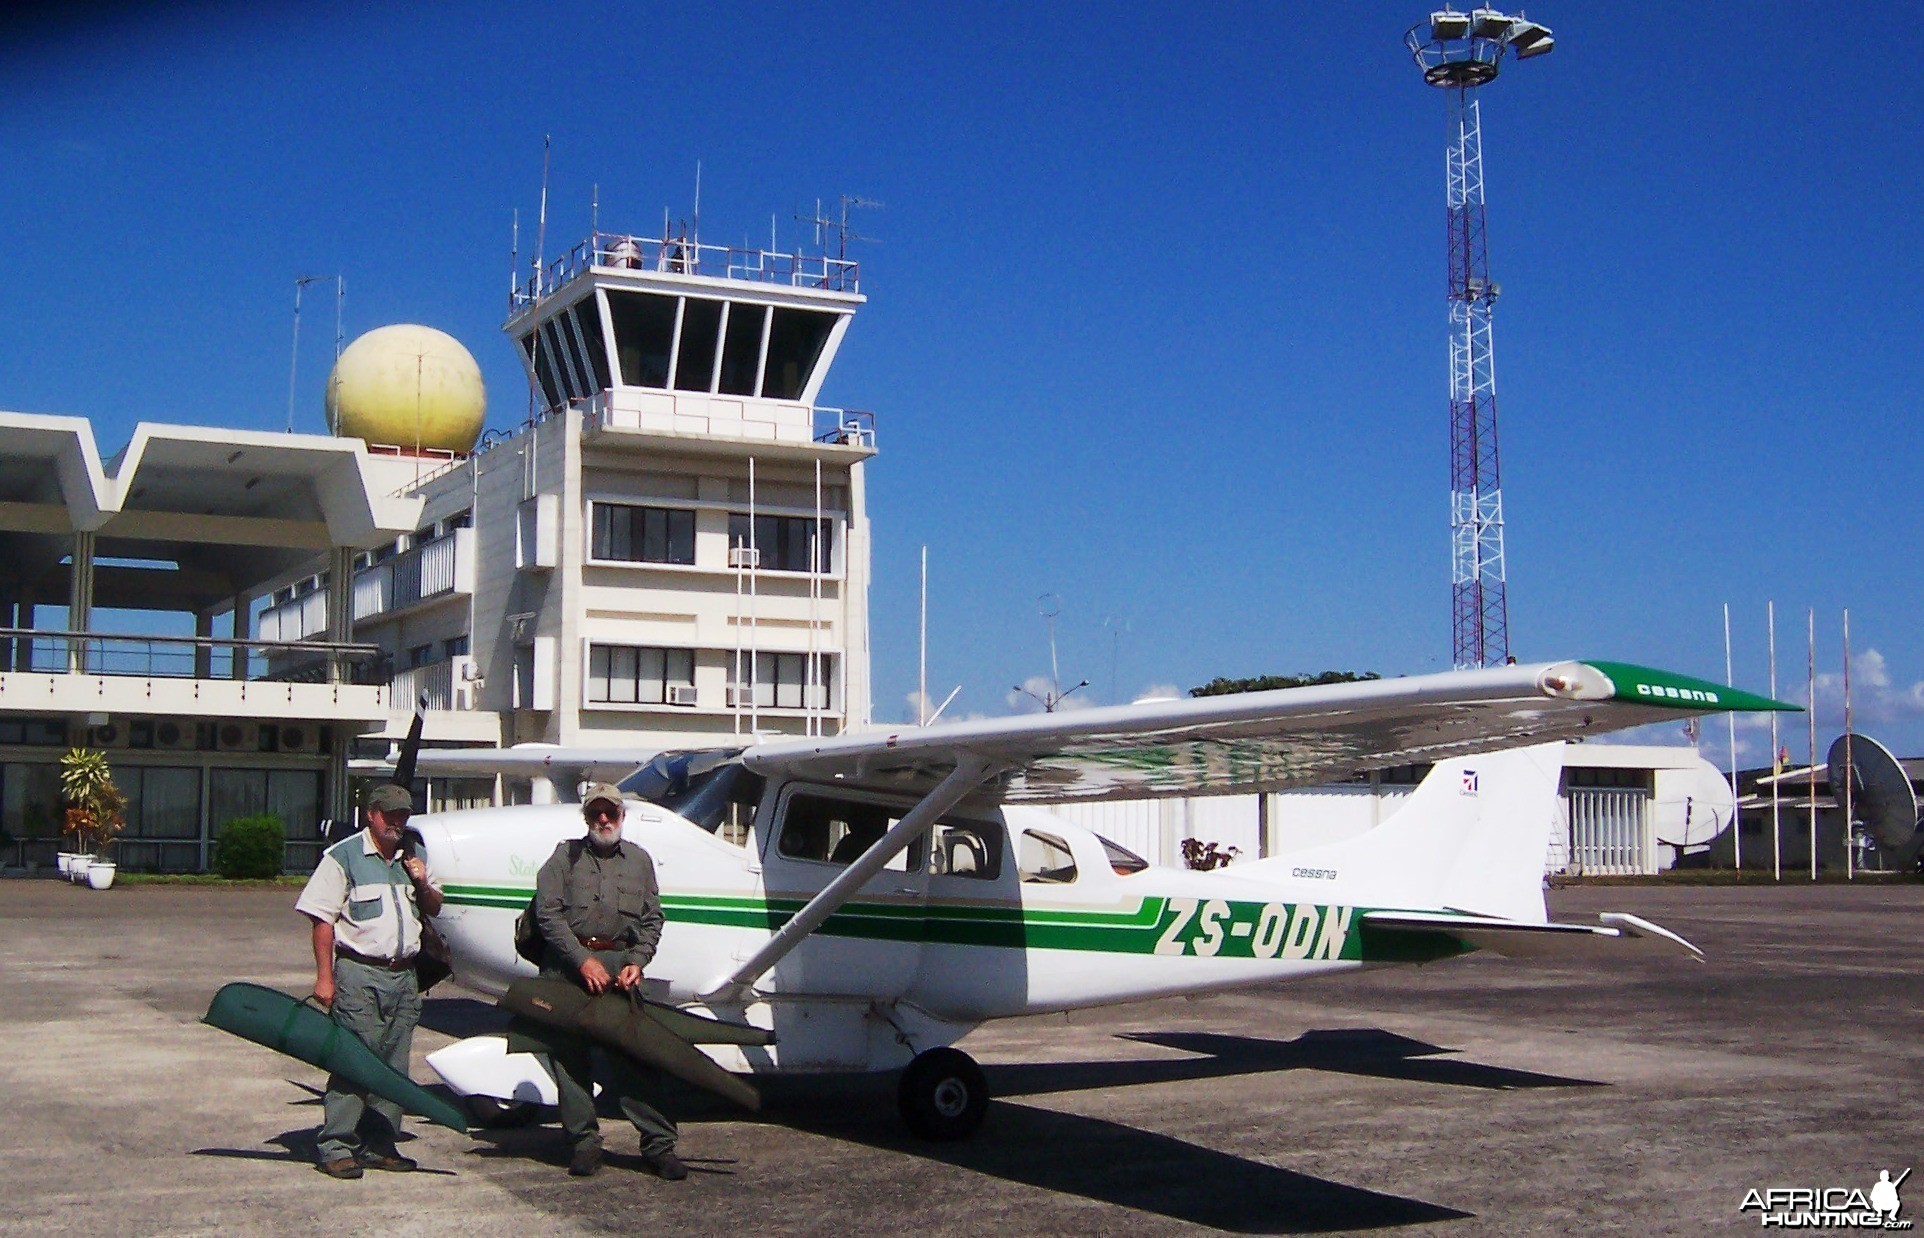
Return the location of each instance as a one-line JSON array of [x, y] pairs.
[[100, 874], [72, 865]]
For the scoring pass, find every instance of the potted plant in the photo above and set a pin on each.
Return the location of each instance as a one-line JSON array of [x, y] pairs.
[[95, 813]]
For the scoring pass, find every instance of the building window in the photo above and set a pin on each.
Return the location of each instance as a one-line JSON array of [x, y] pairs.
[[782, 681], [627, 534], [455, 646], [781, 543], [640, 675]]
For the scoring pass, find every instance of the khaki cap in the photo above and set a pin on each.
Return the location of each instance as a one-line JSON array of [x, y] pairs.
[[598, 791]]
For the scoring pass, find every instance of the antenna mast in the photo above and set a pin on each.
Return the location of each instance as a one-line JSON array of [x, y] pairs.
[[1459, 52]]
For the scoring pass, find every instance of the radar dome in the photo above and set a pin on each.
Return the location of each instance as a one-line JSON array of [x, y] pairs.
[[407, 386]]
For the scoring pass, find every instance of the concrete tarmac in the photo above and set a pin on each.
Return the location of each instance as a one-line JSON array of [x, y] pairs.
[[1476, 1096]]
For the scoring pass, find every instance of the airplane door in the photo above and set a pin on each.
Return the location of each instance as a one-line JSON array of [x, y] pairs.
[[872, 946]]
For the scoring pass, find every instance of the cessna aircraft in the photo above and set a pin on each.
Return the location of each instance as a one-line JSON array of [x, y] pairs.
[[897, 888]]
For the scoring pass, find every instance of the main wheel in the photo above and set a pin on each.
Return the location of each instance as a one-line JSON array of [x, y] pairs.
[[943, 1095]]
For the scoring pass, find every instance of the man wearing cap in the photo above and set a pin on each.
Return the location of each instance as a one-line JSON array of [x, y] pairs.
[[600, 916], [367, 903]]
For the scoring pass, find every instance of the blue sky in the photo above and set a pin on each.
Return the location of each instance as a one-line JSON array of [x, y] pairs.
[[1156, 317]]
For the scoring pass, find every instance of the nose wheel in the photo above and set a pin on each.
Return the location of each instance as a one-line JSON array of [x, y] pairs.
[[943, 1095]]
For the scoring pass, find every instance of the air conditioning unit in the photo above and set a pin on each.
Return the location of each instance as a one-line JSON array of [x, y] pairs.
[[470, 671], [740, 696], [104, 735], [173, 733], [238, 737], [745, 556], [681, 694], [299, 737]]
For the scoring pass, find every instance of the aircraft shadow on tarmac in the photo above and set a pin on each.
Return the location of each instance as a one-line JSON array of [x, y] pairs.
[[1093, 1158]]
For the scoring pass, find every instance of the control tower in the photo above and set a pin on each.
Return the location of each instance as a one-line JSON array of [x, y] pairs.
[[675, 337]]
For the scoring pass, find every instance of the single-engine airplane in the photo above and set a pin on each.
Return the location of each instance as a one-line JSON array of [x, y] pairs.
[[897, 888]]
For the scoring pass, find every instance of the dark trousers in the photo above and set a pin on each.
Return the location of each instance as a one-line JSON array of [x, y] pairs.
[[569, 1058]]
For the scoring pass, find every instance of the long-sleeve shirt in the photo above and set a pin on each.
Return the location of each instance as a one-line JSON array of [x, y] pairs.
[[579, 893]]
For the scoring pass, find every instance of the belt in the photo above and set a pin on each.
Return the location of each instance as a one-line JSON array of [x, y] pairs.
[[601, 943], [355, 956]]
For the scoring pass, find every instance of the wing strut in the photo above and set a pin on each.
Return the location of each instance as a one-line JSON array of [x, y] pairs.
[[968, 774]]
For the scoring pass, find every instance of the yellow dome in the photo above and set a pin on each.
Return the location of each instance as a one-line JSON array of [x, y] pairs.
[[407, 386]]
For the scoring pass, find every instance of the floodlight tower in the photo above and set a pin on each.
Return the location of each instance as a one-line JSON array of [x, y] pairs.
[[1459, 52]]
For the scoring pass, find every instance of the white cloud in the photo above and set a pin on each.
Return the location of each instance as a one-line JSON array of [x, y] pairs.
[[1156, 691]]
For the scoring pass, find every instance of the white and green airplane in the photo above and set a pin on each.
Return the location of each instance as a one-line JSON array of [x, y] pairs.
[[898, 888]]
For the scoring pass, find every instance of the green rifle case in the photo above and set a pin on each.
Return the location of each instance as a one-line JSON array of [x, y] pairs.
[[288, 1025], [649, 1032]]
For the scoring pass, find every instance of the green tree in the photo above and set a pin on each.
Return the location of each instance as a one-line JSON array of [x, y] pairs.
[[1263, 683]]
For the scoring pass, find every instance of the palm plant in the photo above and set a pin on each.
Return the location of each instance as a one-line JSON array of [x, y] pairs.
[[96, 810]]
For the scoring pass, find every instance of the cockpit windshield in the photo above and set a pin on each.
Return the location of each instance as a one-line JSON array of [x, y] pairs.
[[710, 788]]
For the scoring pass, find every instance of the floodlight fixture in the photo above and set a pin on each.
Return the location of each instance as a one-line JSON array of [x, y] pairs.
[[1464, 50]]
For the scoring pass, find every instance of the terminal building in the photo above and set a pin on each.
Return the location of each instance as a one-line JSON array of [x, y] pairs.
[[673, 549]]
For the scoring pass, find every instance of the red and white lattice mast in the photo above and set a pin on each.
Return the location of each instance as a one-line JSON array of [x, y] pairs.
[[1459, 52]]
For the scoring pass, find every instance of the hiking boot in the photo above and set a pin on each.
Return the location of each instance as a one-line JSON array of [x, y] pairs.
[[586, 1162], [341, 1167], [665, 1165], [393, 1162]]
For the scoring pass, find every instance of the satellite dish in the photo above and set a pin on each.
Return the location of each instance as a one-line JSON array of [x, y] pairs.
[[1881, 795]]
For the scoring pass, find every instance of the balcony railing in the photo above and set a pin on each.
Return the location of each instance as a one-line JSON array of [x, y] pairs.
[[433, 569], [184, 657], [296, 619], [444, 685], [685, 257]]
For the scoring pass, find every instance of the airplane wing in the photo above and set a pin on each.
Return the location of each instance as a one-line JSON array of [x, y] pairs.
[[1263, 741], [1521, 940]]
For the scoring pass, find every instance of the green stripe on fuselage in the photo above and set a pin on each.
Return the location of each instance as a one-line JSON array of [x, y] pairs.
[[1179, 927]]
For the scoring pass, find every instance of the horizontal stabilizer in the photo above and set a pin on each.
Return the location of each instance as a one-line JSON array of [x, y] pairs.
[[1617, 932]]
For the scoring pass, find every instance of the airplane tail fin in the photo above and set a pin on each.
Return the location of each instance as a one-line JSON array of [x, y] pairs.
[[1471, 837]]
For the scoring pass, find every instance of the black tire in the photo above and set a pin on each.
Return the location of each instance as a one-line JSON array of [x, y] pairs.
[[943, 1095], [490, 1113]]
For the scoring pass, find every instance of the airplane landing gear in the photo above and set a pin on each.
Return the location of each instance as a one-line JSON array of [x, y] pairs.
[[943, 1095]]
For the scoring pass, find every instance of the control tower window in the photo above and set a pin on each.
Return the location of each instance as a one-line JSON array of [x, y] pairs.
[[644, 334], [589, 312], [631, 675], [561, 342], [630, 534], [700, 336], [742, 349], [782, 542], [543, 369], [795, 342]]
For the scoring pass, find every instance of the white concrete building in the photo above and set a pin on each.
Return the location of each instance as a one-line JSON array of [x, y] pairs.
[[673, 550], [1621, 810]]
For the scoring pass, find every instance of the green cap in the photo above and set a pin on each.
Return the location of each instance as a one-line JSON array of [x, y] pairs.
[[389, 798]]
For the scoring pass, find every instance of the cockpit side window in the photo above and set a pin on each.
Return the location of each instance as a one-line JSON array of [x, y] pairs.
[[836, 831], [1125, 862], [966, 849], [1046, 859]]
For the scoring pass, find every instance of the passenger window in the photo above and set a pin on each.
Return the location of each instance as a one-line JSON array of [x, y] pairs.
[[1046, 859], [966, 849], [832, 831]]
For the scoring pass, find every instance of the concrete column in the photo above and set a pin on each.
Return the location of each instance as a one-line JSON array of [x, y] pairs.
[[238, 668], [80, 596], [340, 608], [203, 654]]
